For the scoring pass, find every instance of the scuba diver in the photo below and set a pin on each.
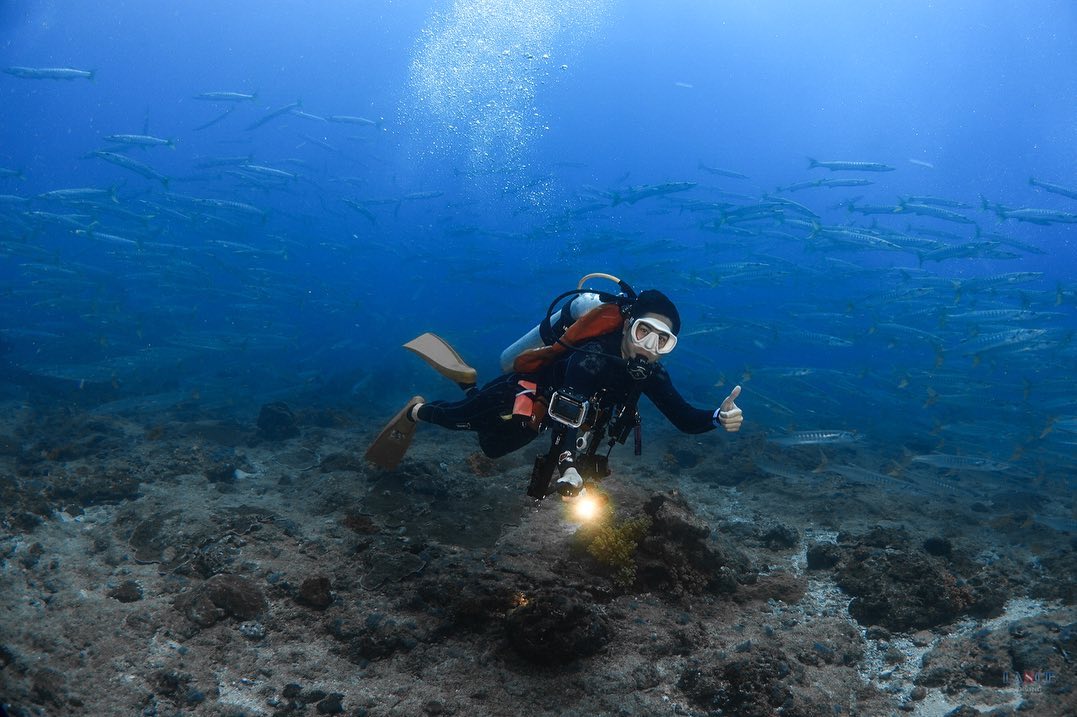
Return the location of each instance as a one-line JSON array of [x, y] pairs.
[[578, 374]]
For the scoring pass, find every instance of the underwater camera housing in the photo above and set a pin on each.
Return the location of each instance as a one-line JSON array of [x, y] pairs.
[[568, 409]]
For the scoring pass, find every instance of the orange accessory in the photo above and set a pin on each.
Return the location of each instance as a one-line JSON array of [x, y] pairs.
[[598, 321]]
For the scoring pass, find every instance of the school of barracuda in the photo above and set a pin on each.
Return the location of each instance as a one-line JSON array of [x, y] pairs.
[[174, 267]]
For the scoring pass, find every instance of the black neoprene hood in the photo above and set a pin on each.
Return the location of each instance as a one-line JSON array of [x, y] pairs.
[[653, 301]]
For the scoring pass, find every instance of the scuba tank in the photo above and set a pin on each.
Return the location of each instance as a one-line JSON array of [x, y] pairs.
[[547, 332]]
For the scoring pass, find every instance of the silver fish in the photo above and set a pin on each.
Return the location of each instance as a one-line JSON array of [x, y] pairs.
[[634, 194], [226, 96], [1000, 339], [968, 463], [1054, 188], [131, 164], [856, 473], [286, 109], [1039, 216], [722, 172], [836, 166], [140, 140], [773, 469], [349, 119], [926, 210], [815, 438], [50, 73]]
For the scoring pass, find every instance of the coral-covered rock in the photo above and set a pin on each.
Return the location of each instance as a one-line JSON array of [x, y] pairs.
[[898, 585], [239, 597], [780, 537], [375, 637], [222, 596], [823, 555], [223, 472], [331, 704], [277, 422], [902, 591], [465, 598], [1058, 583], [783, 587], [990, 591], [754, 685], [673, 518], [127, 591], [314, 592], [675, 556], [199, 609], [939, 547], [613, 544], [553, 628]]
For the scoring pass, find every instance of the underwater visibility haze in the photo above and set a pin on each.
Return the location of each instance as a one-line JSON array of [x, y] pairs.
[[865, 212]]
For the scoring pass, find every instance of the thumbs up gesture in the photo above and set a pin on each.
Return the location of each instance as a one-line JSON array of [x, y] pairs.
[[730, 415]]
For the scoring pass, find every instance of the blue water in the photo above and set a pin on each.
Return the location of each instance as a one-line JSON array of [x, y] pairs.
[[522, 125]]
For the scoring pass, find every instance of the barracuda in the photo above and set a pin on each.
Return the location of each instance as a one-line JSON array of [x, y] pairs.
[[723, 172], [634, 194], [773, 469], [50, 73], [970, 463], [80, 194], [935, 201], [1053, 188], [834, 166], [856, 473], [348, 119], [132, 165], [814, 438], [140, 140], [1039, 216], [925, 210], [1000, 339], [274, 114], [226, 97], [1013, 277]]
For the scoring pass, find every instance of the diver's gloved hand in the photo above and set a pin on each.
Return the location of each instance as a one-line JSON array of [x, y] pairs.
[[729, 416], [570, 484]]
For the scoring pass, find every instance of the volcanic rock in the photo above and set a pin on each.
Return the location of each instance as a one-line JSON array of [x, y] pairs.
[[754, 685], [222, 596], [314, 592], [277, 422], [554, 628], [127, 591], [902, 591]]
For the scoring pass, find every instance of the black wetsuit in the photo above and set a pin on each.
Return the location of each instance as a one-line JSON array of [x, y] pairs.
[[586, 374]]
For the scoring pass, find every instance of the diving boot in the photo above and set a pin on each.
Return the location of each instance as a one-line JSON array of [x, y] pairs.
[[443, 358], [392, 443]]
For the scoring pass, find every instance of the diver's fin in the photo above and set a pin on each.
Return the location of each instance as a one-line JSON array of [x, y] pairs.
[[436, 351], [392, 443]]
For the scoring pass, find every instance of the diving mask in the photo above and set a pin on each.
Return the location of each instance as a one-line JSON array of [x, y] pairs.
[[652, 335]]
